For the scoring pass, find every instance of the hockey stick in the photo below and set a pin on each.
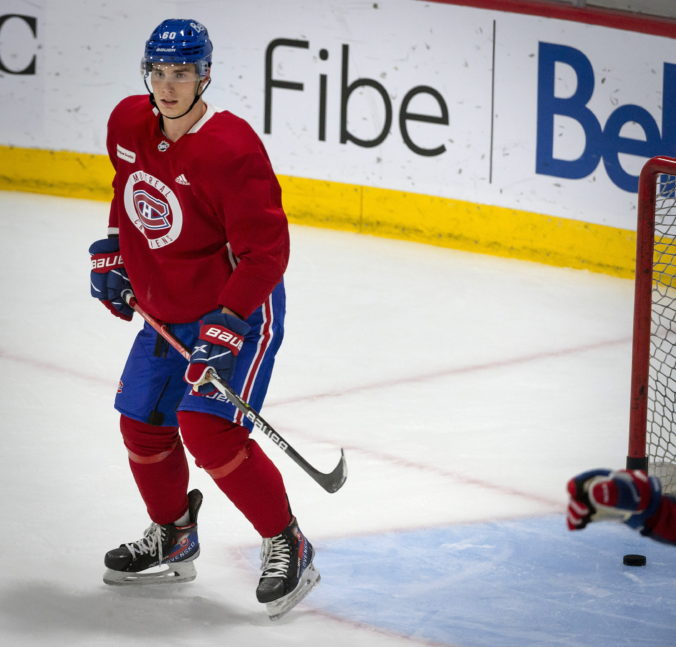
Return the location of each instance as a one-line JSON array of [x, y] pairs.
[[331, 482]]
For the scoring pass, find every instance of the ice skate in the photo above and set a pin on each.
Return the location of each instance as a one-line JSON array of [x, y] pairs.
[[165, 553], [288, 573]]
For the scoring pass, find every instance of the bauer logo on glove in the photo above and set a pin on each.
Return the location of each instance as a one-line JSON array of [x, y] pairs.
[[220, 335], [223, 336], [105, 262], [108, 277]]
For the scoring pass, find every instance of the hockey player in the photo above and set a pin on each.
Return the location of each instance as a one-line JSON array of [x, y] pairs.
[[624, 495], [198, 232]]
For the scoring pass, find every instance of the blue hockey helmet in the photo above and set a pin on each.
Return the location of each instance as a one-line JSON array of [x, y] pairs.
[[178, 41]]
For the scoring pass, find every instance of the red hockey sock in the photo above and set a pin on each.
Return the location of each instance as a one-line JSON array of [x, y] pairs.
[[240, 468], [257, 489], [159, 466]]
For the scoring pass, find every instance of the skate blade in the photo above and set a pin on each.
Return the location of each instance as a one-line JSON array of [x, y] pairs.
[[169, 574], [307, 582]]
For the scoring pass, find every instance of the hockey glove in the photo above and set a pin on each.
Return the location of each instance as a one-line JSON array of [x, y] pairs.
[[624, 495], [220, 339], [109, 278]]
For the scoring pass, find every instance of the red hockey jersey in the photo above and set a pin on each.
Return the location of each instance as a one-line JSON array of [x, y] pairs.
[[200, 220]]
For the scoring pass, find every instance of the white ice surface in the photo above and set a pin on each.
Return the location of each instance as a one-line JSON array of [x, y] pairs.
[[464, 388]]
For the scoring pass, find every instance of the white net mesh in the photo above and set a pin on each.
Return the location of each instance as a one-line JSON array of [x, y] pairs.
[[661, 423]]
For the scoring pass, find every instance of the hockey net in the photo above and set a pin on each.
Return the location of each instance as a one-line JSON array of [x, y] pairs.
[[652, 433]]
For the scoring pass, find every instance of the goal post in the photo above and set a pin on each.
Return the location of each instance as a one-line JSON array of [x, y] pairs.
[[652, 416]]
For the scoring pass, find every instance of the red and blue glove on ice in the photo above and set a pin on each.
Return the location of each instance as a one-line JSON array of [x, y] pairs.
[[108, 277], [220, 339], [630, 496]]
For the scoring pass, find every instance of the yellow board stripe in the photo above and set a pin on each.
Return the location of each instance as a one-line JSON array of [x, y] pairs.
[[382, 212], [74, 175]]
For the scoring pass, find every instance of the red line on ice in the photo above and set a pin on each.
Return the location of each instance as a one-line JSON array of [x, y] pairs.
[[57, 368], [396, 460], [472, 368]]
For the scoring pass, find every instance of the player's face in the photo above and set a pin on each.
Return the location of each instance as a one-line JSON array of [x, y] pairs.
[[174, 87]]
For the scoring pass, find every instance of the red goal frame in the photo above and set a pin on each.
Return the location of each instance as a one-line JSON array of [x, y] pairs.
[[645, 236]]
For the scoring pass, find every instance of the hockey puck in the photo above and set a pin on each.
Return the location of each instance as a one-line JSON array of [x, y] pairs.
[[634, 560]]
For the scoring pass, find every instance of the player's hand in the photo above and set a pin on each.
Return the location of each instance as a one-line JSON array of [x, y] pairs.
[[220, 339], [108, 277], [623, 495]]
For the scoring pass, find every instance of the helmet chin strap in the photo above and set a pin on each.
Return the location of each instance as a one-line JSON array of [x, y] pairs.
[[198, 96]]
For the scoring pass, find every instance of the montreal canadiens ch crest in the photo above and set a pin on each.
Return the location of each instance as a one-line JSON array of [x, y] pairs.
[[153, 208]]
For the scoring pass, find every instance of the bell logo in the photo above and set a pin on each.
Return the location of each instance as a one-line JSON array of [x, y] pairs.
[[600, 142]]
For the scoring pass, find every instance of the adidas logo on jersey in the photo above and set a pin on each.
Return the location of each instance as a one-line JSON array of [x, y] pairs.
[[182, 179]]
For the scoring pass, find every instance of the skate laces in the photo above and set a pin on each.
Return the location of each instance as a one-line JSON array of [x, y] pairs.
[[150, 543], [275, 556]]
